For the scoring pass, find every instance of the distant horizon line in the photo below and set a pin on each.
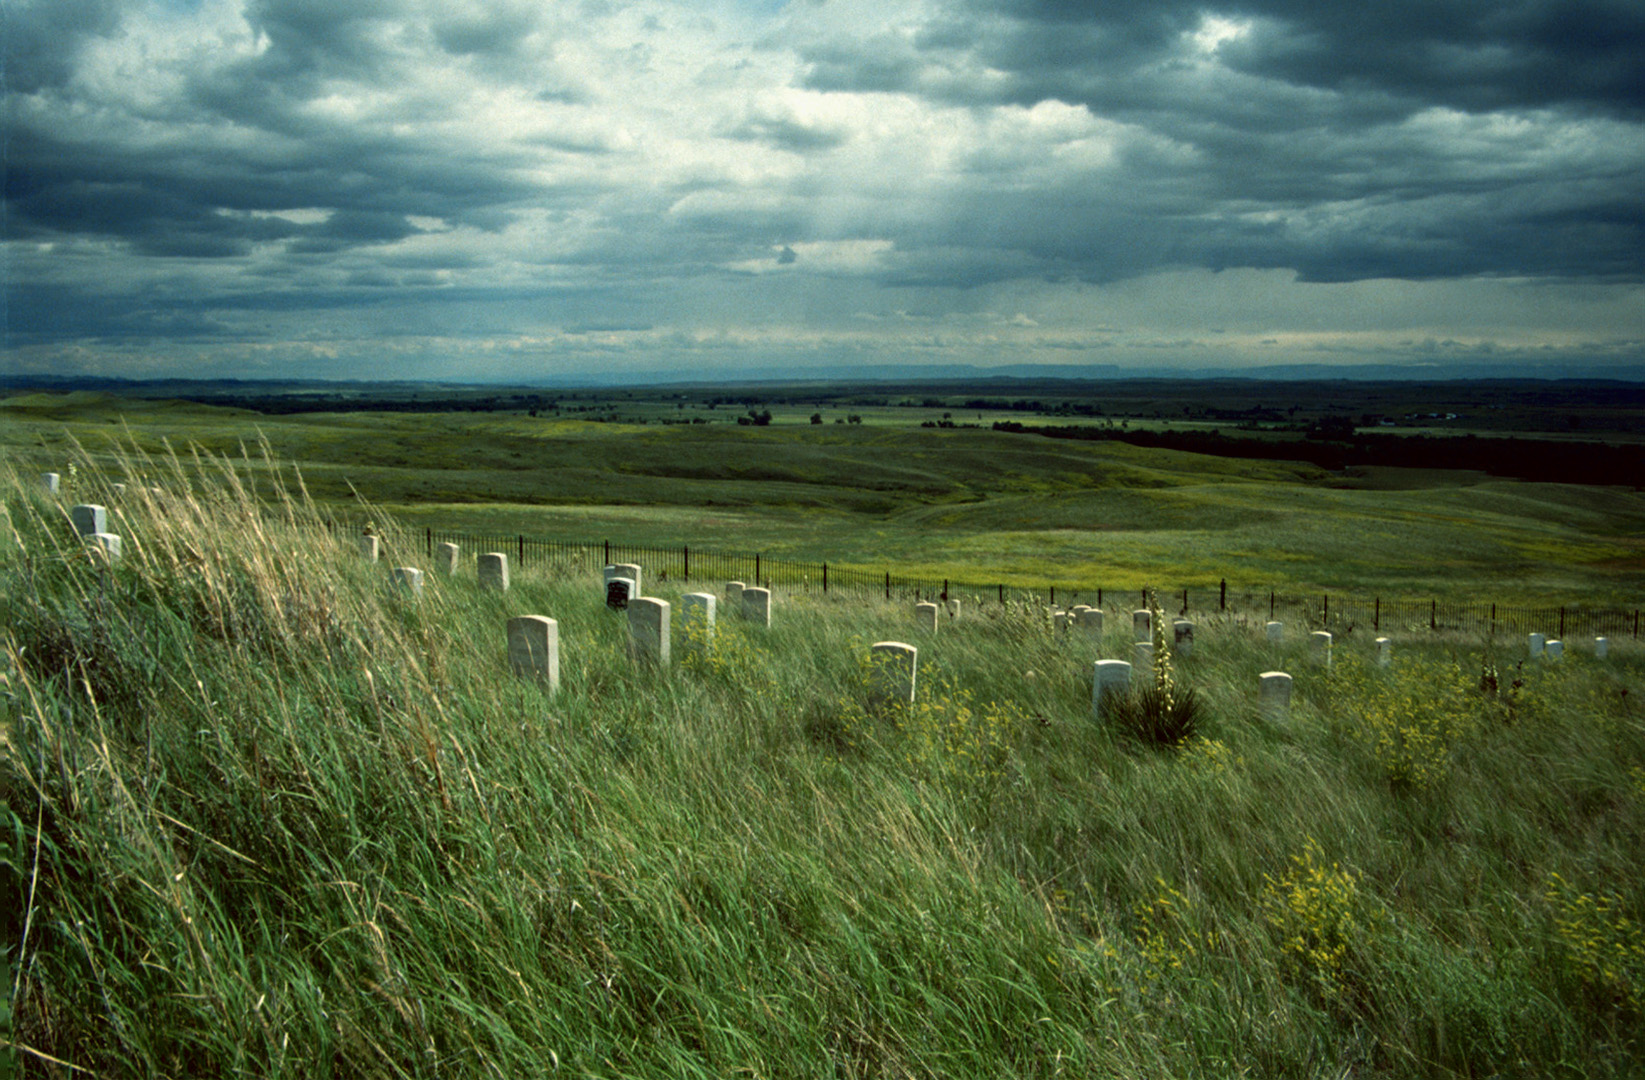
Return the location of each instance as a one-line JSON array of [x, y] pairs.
[[892, 373]]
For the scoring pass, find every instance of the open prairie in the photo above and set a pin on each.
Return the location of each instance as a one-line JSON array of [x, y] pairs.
[[265, 810], [965, 503]]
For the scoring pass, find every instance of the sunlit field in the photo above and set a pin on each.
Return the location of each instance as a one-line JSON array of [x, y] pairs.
[[971, 505]]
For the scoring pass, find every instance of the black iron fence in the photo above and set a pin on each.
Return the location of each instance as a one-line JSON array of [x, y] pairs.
[[1332, 611]]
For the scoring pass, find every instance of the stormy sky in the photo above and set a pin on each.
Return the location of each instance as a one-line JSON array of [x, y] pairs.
[[515, 189]]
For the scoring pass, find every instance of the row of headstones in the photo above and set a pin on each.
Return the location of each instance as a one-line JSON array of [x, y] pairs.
[[1090, 621], [534, 640], [1275, 684], [895, 668], [533, 650], [53, 484], [621, 580], [1084, 618], [91, 523], [926, 614], [1539, 645], [491, 568]]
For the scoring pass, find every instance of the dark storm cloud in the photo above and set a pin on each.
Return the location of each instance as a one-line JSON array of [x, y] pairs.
[[239, 170], [1475, 56], [1304, 126], [198, 196], [44, 313], [1467, 54], [788, 134], [39, 43], [489, 33]]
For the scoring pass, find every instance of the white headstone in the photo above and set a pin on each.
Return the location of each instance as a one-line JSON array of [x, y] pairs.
[[1090, 623], [697, 619], [1602, 647], [1385, 652], [1537, 641], [1276, 633], [925, 617], [648, 628], [1059, 620], [534, 649], [1554, 650], [628, 570], [1182, 631], [446, 558], [893, 669], [369, 547], [89, 518], [491, 569], [953, 608], [757, 606], [410, 579], [1074, 612], [119, 490], [1108, 677], [734, 596], [620, 592], [1143, 652], [1142, 625], [106, 544], [51, 482], [1276, 695], [1320, 640]]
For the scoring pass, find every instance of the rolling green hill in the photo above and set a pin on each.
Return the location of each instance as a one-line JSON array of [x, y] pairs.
[[967, 504]]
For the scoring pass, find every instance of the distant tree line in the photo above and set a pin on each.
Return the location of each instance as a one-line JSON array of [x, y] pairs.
[[1520, 459], [288, 404]]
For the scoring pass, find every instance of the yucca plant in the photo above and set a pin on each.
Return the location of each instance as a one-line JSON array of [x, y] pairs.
[[1159, 713]]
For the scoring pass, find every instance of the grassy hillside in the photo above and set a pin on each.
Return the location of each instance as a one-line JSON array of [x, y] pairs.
[[963, 504], [263, 813]]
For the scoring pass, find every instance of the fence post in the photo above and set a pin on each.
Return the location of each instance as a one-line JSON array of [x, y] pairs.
[[825, 577], [522, 549], [428, 541], [685, 549], [756, 568], [888, 584], [1270, 605], [1185, 601], [1002, 592], [1562, 622], [1053, 596], [945, 590], [1636, 623], [1222, 602], [1433, 615], [608, 552], [1376, 619], [1327, 616], [1099, 596]]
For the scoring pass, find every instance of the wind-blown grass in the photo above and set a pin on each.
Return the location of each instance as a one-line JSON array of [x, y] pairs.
[[263, 813]]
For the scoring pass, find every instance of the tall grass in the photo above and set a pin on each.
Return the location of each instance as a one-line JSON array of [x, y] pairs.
[[264, 813]]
